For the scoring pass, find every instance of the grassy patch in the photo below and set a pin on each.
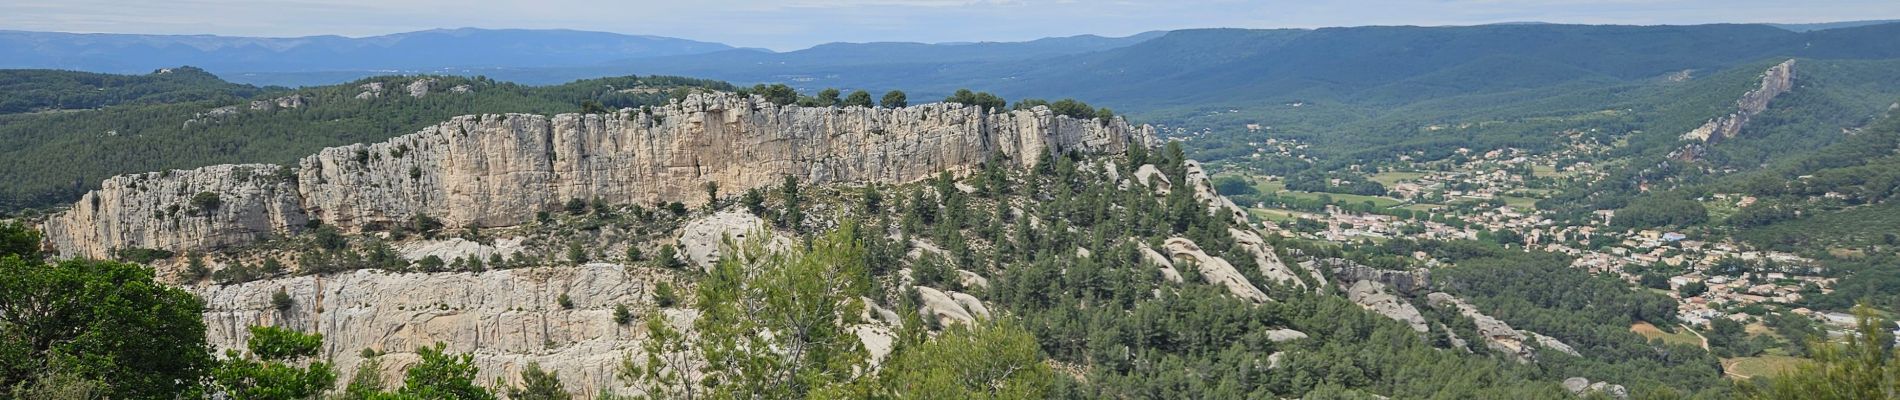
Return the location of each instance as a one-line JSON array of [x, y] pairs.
[[1750, 367], [1275, 215], [1276, 187], [1519, 203], [1390, 178], [1652, 332]]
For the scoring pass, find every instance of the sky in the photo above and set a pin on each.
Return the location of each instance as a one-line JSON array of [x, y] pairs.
[[794, 24]]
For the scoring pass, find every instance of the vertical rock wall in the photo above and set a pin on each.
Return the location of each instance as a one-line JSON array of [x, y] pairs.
[[496, 170]]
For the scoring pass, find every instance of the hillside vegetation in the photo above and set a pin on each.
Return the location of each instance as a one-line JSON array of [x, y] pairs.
[[51, 158]]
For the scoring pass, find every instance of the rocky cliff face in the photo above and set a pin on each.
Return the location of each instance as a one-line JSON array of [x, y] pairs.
[[1776, 81], [207, 207], [505, 318], [495, 170]]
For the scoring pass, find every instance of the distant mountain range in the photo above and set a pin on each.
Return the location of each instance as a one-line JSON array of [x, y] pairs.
[[413, 51]]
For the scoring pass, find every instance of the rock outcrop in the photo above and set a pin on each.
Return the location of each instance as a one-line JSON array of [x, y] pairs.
[[1372, 296], [1217, 204], [179, 210], [505, 318], [1582, 387], [1776, 81], [703, 240], [1412, 282], [1167, 266], [495, 170], [1215, 270], [1271, 267], [948, 307], [454, 248], [1498, 335]]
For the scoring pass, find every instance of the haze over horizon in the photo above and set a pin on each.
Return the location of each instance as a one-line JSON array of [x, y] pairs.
[[797, 24]]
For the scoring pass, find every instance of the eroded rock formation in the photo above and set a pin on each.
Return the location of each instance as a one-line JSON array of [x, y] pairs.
[[495, 170], [505, 318], [213, 206], [1775, 81], [1498, 335], [1214, 269], [1372, 296]]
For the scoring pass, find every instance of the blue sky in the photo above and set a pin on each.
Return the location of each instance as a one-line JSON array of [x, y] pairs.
[[793, 24]]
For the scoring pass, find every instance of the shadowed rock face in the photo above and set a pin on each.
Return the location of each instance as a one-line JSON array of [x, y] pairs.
[[495, 170]]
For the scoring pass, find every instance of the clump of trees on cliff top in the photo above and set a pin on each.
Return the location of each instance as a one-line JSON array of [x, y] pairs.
[[782, 94]]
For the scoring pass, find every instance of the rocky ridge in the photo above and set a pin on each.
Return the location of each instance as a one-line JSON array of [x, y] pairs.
[[1775, 81], [494, 170], [1497, 334]]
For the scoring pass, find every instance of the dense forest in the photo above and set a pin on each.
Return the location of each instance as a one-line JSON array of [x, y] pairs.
[[26, 90]]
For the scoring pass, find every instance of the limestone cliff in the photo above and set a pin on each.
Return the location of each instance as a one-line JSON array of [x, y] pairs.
[[505, 318], [165, 210], [495, 170], [1775, 81]]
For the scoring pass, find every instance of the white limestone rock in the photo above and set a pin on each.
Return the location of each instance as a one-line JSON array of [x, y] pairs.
[[1215, 269], [505, 318], [156, 210], [702, 241], [1270, 265], [1372, 296]]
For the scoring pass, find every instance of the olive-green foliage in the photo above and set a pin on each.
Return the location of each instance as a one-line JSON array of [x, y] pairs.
[[271, 370], [622, 315], [441, 375], [801, 294], [1660, 211], [985, 100], [19, 240], [894, 99], [1865, 366], [776, 93], [1071, 108], [538, 384], [281, 300], [367, 381], [99, 321], [992, 360], [858, 99]]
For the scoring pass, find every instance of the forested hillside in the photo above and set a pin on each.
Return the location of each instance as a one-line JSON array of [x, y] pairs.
[[50, 90], [168, 123], [1067, 299]]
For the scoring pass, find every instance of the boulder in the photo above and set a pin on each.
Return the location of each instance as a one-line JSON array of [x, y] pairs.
[[1270, 265], [1372, 296], [943, 307], [1285, 335], [1167, 267], [702, 240]]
